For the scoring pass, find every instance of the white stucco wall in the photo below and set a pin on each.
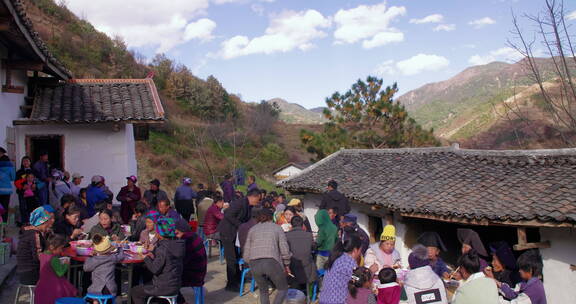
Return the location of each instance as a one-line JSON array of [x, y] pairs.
[[287, 172], [10, 103], [90, 150], [311, 201], [559, 279]]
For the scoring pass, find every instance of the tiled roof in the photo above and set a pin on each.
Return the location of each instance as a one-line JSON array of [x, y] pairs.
[[495, 186], [18, 11], [97, 100]]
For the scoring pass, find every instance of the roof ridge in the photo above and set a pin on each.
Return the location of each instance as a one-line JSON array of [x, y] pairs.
[[472, 152], [108, 80]]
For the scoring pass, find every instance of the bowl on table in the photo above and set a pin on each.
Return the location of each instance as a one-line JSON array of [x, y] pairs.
[[138, 248], [80, 243], [85, 251]]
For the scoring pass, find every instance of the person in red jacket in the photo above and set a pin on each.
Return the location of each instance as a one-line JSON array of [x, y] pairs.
[[213, 217]]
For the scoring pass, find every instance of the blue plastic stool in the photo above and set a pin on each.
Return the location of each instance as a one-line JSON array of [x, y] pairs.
[[243, 276], [208, 247], [201, 233], [315, 288], [170, 299], [102, 299], [199, 295], [70, 301]]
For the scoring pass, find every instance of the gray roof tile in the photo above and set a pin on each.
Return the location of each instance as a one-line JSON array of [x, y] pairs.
[[493, 185]]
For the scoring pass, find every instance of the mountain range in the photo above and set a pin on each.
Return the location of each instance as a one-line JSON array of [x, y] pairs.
[[470, 108], [294, 113], [474, 103]]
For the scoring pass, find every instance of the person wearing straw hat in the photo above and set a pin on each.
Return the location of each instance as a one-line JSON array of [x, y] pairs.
[[33, 241], [383, 254], [165, 263], [103, 265]]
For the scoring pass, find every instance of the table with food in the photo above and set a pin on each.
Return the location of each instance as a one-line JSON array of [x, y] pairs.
[[79, 251]]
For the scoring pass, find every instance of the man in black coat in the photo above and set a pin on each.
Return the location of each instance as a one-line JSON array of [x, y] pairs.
[[301, 263], [333, 198], [240, 211]]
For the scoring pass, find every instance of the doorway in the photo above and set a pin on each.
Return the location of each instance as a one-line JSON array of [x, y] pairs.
[[375, 228], [52, 144]]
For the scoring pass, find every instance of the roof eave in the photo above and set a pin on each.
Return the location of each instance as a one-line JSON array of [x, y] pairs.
[[25, 31]]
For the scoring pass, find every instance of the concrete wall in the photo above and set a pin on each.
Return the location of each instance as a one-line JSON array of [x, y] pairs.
[[362, 212], [10, 102], [559, 279], [90, 150]]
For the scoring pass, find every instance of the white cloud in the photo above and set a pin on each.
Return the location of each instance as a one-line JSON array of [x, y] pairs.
[[571, 16], [444, 27], [386, 68], [239, 1], [164, 26], [382, 39], [435, 18], [258, 9], [506, 54], [369, 24], [201, 29], [413, 65], [286, 32], [479, 23]]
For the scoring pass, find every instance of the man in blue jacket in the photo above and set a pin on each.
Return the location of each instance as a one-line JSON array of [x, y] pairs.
[[7, 177]]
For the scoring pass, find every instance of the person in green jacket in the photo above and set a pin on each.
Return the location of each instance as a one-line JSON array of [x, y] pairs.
[[107, 227], [327, 236]]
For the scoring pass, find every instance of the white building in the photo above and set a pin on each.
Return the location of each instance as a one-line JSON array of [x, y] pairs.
[[527, 198], [87, 126], [288, 170]]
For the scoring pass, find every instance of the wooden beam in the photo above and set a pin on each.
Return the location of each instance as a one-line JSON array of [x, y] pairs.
[[526, 246], [23, 65], [5, 24], [521, 231], [485, 222], [13, 89]]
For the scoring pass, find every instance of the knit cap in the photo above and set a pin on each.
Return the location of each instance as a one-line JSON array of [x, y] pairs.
[[389, 233], [153, 215], [166, 227], [39, 216]]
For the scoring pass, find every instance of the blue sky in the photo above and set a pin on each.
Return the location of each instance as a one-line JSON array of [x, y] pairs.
[[304, 50]]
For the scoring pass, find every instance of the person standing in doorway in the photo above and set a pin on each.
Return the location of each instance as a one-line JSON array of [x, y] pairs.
[[239, 212], [184, 199], [7, 177], [128, 196], [42, 168]]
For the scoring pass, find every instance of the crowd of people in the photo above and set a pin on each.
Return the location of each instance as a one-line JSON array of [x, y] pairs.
[[258, 230], [275, 240]]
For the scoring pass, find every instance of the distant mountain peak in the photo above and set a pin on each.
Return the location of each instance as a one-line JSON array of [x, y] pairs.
[[294, 113]]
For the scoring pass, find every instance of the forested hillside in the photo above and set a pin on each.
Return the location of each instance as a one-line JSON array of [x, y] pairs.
[[208, 131], [471, 107]]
